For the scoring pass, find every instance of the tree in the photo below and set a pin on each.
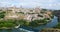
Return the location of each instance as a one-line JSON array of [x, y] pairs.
[[44, 9], [2, 14]]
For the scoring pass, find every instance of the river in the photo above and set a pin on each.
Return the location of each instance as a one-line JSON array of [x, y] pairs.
[[53, 23]]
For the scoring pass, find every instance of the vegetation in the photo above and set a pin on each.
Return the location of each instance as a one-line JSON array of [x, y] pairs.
[[58, 26], [34, 23], [57, 13], [8, 23], [22, 21], [44, 9], [2, 14], [21, 12]]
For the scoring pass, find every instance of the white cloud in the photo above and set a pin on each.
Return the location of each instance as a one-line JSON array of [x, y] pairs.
[[31, 3]]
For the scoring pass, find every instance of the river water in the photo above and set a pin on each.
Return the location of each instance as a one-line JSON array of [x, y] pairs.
[[53, 23]]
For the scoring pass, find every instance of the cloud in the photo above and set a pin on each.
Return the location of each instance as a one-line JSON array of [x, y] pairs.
[[49, 4]]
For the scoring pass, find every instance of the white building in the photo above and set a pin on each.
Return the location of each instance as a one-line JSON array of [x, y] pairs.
[[28, 17]]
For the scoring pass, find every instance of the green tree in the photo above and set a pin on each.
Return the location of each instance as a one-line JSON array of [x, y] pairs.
[[2, 14]]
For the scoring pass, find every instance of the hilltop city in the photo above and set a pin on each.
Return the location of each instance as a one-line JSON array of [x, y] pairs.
[[14, 17]]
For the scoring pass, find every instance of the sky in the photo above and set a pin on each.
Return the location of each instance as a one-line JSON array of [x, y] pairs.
[[48, 4]]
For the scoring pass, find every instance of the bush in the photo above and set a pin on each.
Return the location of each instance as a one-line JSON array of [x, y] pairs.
[[2, 14], [8, 23], [58, 26], [36, 23]]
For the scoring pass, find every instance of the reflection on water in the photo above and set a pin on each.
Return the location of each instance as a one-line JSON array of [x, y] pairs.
[[53, 23]]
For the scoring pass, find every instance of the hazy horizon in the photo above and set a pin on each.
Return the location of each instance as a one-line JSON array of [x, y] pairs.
[[48, 4]]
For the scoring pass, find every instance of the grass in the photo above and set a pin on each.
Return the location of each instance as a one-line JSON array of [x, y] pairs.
[[8, 23]]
